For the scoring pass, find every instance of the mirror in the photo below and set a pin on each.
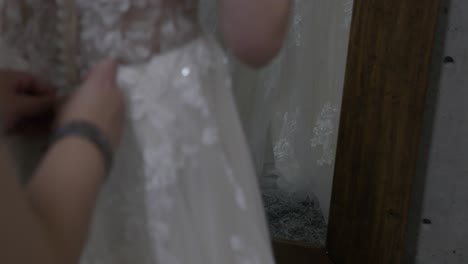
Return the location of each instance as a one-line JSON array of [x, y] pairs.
[[290, 111]]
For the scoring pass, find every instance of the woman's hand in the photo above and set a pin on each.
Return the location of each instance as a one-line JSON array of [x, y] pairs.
[[65, 186], [98, 101], [25, 102]]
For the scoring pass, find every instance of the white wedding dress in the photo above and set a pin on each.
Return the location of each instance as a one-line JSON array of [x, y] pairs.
[[183, 189]]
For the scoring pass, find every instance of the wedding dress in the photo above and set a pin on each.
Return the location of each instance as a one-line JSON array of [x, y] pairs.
[[183, 189]]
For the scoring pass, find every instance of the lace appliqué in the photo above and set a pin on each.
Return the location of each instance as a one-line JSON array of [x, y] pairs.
[[168, 94], [323, 135], [284, 151], [27, 31], [284, 148], [133, 30]]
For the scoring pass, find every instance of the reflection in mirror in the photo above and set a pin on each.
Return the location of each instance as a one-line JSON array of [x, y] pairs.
[[290, 112]]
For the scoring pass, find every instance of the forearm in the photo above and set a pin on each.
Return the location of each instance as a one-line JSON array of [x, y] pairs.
[[24, 238], [64, 190], [254, 29]]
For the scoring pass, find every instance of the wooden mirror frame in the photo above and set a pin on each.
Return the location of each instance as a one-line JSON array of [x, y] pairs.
[[387, 76]]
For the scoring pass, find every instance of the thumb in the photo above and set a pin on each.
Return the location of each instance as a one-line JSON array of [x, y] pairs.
[[103, 73]]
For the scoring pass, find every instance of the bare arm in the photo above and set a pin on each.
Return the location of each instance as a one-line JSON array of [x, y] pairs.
[[254, 29], [63, 193], [48, 223], [24, 238], [64, 189]]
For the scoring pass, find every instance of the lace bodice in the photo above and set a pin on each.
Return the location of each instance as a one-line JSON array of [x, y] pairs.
[[134, 29], [58, 39]]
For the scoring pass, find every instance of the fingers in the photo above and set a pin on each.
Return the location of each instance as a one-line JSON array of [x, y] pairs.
[[28, 106], [104, 72], [27, 84], [41, 87], [30, 113], [99, 101]]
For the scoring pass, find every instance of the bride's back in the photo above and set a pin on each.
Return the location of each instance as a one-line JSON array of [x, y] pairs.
[[133, 30], [74, 33]]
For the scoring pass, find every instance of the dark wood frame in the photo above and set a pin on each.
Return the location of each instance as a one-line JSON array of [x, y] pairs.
[[387, 77]]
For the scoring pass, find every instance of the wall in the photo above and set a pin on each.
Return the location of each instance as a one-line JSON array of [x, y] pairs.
[[439, 217]]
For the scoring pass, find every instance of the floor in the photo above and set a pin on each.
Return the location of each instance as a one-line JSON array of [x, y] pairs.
[[294, 253], [295, 219]]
